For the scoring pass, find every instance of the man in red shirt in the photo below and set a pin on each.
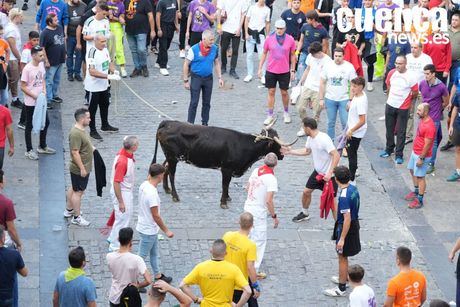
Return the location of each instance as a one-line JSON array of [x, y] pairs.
[[421, 156], [7, 217], [6, 130], [441, 54]]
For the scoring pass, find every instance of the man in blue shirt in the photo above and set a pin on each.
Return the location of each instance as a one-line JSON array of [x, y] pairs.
[[199, 62], [454, 128], [58, 7], [72, 286], [294, 19]]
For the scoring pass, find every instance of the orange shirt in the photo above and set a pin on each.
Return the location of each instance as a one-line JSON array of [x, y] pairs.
[[407, 288], [4, 48], [306, 5]]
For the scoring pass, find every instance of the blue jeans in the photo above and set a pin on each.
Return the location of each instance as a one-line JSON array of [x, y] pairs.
[[332, 107], [53, 78], [148, 245], [4, 96], [250, 43], [73, 67], [200, 85], [436, 142], [302, 66], [138, 46]]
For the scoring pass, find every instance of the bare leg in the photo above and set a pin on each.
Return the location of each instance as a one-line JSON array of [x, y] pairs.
[[285, 98], [271, 98], [343, 269], [306, 198], [76, 202]]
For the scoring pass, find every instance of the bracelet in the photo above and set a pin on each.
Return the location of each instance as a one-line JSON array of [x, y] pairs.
[[297, 52], [256, 286]]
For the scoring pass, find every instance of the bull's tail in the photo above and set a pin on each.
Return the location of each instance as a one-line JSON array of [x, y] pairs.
[[154, 160]]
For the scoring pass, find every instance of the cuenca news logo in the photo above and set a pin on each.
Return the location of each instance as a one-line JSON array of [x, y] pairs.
[[401, 25]]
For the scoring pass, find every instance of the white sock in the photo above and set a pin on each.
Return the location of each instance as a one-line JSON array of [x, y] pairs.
[[458, 171], [305, 211]]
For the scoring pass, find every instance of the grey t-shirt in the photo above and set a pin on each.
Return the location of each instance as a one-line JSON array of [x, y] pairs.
[[75, 13]]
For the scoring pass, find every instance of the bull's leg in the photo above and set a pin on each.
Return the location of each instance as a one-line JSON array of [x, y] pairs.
[[226, 178], [165, 179], [172, 172]]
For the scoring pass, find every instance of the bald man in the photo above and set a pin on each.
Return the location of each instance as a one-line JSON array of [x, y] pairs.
[[421, 156]]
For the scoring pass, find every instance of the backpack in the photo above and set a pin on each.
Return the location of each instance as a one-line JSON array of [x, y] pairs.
[[130, 297]]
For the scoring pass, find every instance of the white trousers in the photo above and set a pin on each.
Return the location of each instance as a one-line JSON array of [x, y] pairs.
[[121, 219], [259, 236]]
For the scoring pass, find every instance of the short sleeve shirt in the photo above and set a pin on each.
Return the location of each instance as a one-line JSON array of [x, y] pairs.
[[93, 27], [117, 8], [12, 30], [5, 120], [199, 21], [293, 22], [258, 17], [358, 107], [348, 203], [7, 213], [258, 187], [137, 21], [168, 9], [279, 55], [321, 146], [10, 262], [148, 198], [338, 79], [425, 129], [79, 140], [432, 94], [79, 291], [34, 77], [240, 250], [402, 85], [312, 34], [407, 288], [99, 60]]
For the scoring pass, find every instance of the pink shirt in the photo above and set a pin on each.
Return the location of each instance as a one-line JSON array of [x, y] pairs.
[[34, 77], [279, 55]]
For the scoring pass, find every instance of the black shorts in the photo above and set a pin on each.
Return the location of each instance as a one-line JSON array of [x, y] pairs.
[[456, 137], [283, 80], [352, 244], [314, 184], [79, 183]]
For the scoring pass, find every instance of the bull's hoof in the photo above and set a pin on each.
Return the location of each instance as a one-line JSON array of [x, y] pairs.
[[167, 190], [229, 198], [224, 206], [175, 199]]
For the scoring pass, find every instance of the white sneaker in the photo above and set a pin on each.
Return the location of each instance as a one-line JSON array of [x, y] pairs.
[[248, 78], [164, 72], [262, 80], [80, 221], [335, 292], [287, 118], [158, 66], [335, 279], [32, 155], [68, 213], [47, 150], [301, 132], [123, 72], [182, 54], [269, 120], [370, 87]]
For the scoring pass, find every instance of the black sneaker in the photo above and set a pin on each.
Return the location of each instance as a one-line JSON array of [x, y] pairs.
[[135, 73], [446, 146], [49, 105], [95, 135], [17, 103], [70, 78], [109, 128], [145, 71], [57, 99], [24, 7], [301, 217], [78, 78], [22, 126], [234, 74], [165, 278]]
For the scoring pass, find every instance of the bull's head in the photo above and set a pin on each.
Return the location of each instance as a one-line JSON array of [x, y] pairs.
[[274, 143]]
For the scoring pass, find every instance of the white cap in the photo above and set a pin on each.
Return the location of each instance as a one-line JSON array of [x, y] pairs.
[[280, 24]]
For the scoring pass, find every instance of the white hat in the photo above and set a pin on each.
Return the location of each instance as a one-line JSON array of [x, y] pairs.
[[280, 24]]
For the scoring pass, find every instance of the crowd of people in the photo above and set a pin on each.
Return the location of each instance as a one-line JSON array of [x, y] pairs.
[[307, 52]]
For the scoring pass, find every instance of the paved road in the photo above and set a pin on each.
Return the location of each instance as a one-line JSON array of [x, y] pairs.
[[299, 259]]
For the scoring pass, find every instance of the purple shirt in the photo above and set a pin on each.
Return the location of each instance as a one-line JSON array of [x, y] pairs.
[[117, 8], [279, 56], [199, 21], [391, 7], [433, 96]]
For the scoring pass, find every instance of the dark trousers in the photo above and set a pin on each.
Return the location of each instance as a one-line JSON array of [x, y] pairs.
[[252, 302], [395, 122], [165, 41], [352, 151], [29, 115], [195, 37], [22, 117], [370, 61], [439, 75], [182, 31], [2, 157], [197, 85], [225, 43], [100, 99]]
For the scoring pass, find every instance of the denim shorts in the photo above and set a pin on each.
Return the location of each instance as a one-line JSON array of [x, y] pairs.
[[412, 165]]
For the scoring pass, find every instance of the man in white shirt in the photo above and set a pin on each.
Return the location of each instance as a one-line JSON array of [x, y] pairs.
[[333, 90], [149, 221], [96, 25], [311, 78], [416, 61], [261, 188], [325, 159], [13, 37], [362, 295]]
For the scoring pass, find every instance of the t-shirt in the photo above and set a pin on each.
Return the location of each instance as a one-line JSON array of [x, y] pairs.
[[75, 13], [125, 269], [116, 8], [306, 5], [4, 48], [58, 7], [432, 94], [79, 139], [395, 49], [4, 20], [10, 262], [402, 85], [258, 187], [324, 6], [312, 34], [279, 55], [316, 67], [407, 288], [240, 250], [99, 60], [416, 65], [93, 27], [216, 280], [338, 78], [348, 203], [233, 9], [425, 129], [34, 77], [293, 22], [258, 17], [26, 56], [199, 21], [358, 106], [168, 9], [5, 120], [12, 30], [137, 21], [355, 37], [54, 43], [7, 212], [454, 38], [148, 198], [362, 296], [80, 291], [321, 146]]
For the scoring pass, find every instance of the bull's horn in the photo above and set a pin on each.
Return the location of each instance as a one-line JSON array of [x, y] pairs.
[[277, 140], [266, 128]]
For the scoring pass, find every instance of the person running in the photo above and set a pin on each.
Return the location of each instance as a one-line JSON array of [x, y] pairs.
[[117, 21], [347, 230], [201, 14], [362, 295], [99, 72], [242, 252], [408, 287], [217, 279], [81, 163], [325, 159], [121, 193], [279, 52], [167, 23], [33, 85], [294, 19], [454, 128]]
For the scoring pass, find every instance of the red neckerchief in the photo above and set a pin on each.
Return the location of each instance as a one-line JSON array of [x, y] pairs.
[[123, 152], [264, 170], [28, 45], [203, 50]]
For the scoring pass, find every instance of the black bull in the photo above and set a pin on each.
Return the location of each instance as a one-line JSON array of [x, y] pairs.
[[212, 147]]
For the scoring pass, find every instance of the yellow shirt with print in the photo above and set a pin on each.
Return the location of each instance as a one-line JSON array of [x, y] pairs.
[[216, 280], [240, 250]]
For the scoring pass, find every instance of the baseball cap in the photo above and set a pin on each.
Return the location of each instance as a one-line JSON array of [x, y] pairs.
[[280, 24]]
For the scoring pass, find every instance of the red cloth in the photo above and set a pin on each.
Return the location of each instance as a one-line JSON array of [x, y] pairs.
[[327, 198], [425, 130], [439, 53], [7, 213], [121, 167], [264, 170], [351, 55], [204, 50], [5, 120], [111, 219]]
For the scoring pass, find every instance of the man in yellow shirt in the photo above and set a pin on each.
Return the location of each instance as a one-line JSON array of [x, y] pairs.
[[216, 278], [242, 252]]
